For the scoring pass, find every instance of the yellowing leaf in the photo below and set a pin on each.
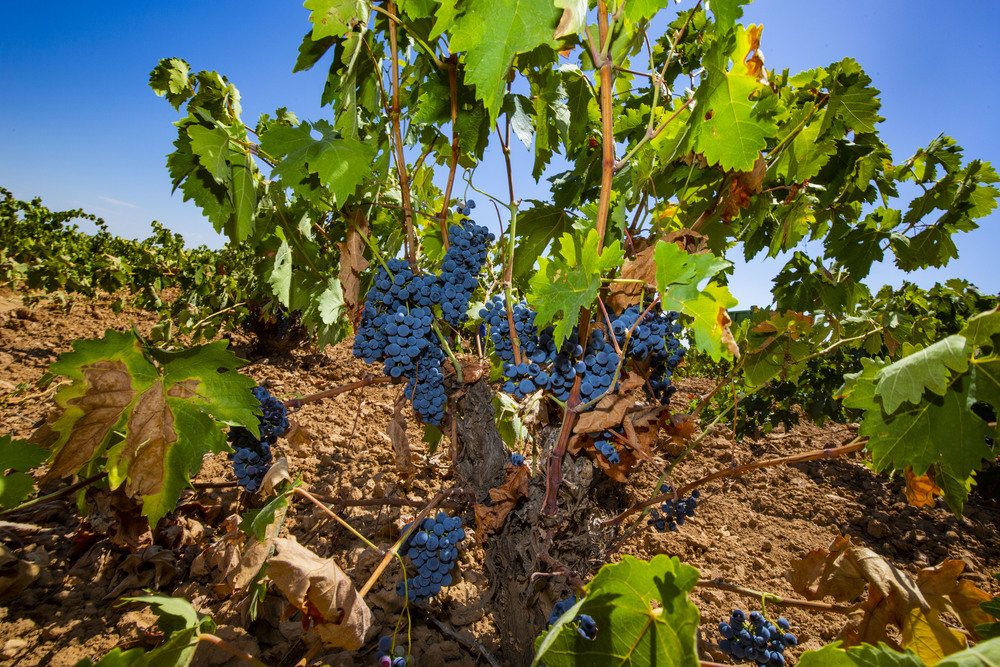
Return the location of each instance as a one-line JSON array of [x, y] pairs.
[[920, 489]]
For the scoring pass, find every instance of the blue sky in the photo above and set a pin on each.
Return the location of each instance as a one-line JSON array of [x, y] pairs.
[[80, 127]]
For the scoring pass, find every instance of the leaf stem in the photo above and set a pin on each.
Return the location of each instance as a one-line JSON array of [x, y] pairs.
[[777, 600], [447, 350], [305, 494], [56, 494]]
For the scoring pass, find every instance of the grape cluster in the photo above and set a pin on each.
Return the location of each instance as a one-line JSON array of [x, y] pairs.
[[385, 654], [252, 456], [654, 337], [396, 328], [465, 208], [433, 550], [461, 267], [673, 513], [604, 442], [587, 627], [755, 639], [517, 459]]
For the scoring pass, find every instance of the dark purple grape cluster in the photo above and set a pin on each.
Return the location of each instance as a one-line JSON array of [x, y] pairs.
[[465, 207], [396, 328], [604, 442], [460, 270], [587, 628], [251, 456], [386, 656], [433, 551], [755, 639], [653, 338], [673, 513]]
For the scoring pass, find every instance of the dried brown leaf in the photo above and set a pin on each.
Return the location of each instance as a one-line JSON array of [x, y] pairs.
[[107, 393], [299, 437], [353, 263], [322, 592], [400, 443], [610, 410], [893, 599], [921, 491], [277, 473], [490, 519], [643, 268], [17, 574]]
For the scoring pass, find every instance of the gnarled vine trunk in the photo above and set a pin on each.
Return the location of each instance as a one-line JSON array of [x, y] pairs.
[[586, 498]]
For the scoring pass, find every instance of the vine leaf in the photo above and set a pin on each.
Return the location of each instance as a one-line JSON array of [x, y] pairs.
[[335, 18], [630, 629], [906, 379], [180, 623], [845, 572], [324, 594], [341, 164], [677, 277], [150, 415], [490, 519], [726, 131], [570, 282], [574, 17], [921, 491], [492, 32], [17, 457], [537, 227]]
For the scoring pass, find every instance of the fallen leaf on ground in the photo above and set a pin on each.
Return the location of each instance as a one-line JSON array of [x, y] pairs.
[[322, 592]]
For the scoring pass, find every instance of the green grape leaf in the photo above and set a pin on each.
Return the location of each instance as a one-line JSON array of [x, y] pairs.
[[152, 423], [179, 621], [341, 164], [211, 146], [906, 379], [851, 99], [677, 277], [444, 18], [574, 17], [491, 33], [536, 228], [941, 431], [256, 521], [116, 657], [570, 282], [806, 154], [726, 130], [726, 12], [17, 457], [631, 630], [335, 18], [171, 78]]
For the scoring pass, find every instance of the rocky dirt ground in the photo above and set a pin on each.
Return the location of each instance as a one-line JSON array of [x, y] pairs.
[[747, 530]]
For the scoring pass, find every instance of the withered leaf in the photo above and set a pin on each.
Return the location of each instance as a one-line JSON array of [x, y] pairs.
[[893, 599], [106, 395], [643, 268], [490, 519], [400, 443], [353, 263], [323, 593], [921, 491], [610, 410]]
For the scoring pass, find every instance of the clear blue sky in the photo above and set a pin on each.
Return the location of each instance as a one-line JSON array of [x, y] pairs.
[[80, 127]]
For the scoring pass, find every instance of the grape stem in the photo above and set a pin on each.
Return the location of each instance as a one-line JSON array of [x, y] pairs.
[[295, 403], [855, 445], [394, 551], [447, 350], [776, 600], [305, 494]]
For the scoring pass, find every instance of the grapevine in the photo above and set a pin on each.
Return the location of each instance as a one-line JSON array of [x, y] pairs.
[[533, 370]]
